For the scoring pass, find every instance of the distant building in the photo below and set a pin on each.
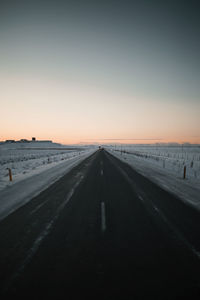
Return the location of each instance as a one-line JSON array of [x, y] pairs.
[[28, 141], [10, 141]]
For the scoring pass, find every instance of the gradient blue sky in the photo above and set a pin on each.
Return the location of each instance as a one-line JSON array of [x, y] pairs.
[[75, 71]]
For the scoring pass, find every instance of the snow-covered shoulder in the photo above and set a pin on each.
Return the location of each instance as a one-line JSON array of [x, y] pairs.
[[27, 185], [187, 189]]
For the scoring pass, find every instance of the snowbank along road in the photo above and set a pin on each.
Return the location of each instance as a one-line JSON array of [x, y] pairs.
[[102, 231]]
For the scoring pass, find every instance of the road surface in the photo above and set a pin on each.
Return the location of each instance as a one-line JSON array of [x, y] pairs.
[[102, 231]]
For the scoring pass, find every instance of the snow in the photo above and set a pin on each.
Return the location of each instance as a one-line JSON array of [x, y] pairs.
[[35, 166], [33, 171], [25, 159], [164, 166]]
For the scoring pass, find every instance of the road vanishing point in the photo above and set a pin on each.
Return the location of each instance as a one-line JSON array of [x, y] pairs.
[[102, 231]]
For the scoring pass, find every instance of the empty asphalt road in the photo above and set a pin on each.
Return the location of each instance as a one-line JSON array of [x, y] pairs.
[[102, 231]]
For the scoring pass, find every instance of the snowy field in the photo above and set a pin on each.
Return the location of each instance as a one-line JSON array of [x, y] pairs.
[[27, 159], [33, 170], [171, 158], [165, 166], [35, 166]]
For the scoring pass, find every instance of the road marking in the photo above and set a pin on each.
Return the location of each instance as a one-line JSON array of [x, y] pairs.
[[175, 230], [36, 244], [101, 163], [103, 217], [38, 207]]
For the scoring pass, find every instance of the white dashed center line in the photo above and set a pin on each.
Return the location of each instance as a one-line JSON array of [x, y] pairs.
[[103, 217]]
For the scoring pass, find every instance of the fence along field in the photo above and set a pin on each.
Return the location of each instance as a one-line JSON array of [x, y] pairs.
[[17, 162], [172, 158]]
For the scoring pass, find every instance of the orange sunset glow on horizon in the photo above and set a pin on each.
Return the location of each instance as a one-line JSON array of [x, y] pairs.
[[71, 114]]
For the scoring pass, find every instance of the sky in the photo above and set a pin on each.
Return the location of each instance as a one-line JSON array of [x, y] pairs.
[[97, 71]]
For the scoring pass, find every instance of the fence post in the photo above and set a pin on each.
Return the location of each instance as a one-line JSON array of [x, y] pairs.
[[9, 173], [184, 172]]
